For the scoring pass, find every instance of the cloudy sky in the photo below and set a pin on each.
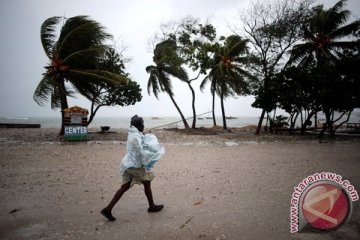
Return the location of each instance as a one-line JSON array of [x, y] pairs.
[[132, 23]]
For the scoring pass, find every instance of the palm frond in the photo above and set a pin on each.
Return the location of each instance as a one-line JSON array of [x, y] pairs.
[[153, 80], [98, 76], [235, 45], [47, 35], [346, 30], [344, 45], [338, 6], [204, 82], [154, 85], [43, 90], [165, 83], [300, 51], [80, 33], [308, 35], [56, 97], [178, 72], [85, 58], [242, 72], [335, 17], [165, 53], [150, 69], [241, 60], [307, 60], [87, 90], [158, 81], [87, 82]]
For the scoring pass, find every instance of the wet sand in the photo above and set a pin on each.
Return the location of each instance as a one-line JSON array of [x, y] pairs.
[[214, 185]]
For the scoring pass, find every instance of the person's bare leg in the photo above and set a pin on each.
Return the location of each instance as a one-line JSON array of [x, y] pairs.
[[106, 212], [149, 196]]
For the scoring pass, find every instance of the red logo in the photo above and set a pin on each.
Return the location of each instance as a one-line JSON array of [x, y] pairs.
[[326, 206]]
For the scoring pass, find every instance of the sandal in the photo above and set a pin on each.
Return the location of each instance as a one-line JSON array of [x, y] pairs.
[[107, 214], [155, 208]]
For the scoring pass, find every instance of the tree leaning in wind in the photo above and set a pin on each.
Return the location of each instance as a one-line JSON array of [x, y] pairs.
[[74, 58], [167, 64], [227, 76], [327, 40], [326, 36], [272, 28]]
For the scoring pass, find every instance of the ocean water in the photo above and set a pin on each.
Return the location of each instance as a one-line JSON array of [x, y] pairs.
[[150, 122], [124, 122]]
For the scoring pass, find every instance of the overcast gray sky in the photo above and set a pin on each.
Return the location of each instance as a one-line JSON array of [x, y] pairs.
[[132, 23]]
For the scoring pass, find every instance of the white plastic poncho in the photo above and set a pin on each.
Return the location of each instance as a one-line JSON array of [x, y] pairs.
[[142, 151]]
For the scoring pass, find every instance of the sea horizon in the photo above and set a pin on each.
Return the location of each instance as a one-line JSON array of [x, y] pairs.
[[123, 122], [152, 121]]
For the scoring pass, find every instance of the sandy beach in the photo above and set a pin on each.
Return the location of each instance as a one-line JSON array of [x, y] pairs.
[[214, 185]]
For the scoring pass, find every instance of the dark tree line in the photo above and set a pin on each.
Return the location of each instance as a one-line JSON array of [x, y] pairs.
[[317, 75]]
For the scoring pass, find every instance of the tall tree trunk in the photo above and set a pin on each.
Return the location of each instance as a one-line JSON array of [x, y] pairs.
[[93, 112], [223, 111], [213, 108], [306, 123], [64, 105], [62, 129], [293, 122], [186, 125], [193, 106], [266, 88], [258, 129], [328, 124]]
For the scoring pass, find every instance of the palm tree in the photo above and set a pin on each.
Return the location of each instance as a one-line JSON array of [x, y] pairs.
[[167, 64], [327, 37], [213, 94], [74, 59], [227, 76], [324, 36]]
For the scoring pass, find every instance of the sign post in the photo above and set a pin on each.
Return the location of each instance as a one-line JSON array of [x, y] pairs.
[[75, 124]]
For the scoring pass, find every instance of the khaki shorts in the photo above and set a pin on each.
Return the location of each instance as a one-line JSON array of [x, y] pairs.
[[137, 176]]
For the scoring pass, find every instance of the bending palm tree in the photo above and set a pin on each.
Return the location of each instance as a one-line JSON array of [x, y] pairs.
[[326, 39], [167, 64], [74, 58], [227, 76], [324, 36]]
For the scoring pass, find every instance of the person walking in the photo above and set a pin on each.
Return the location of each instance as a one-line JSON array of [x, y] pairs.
[[143, 151]]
